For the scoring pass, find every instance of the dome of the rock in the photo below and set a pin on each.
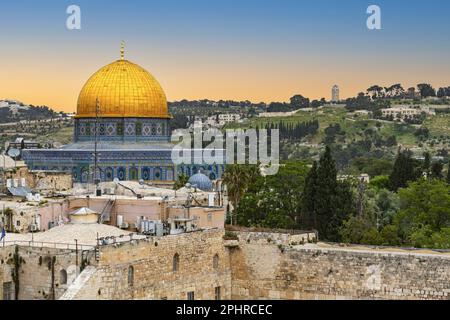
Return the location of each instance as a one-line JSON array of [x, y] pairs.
[[123, 90]]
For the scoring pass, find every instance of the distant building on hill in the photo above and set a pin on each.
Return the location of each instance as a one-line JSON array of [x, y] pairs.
[[335, 94], [401, 112]]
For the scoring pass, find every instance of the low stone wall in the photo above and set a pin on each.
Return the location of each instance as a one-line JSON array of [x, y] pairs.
[[145, 269], [270, 270]]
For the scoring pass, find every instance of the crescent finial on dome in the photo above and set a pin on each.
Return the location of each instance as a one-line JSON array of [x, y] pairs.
[[122, 50]]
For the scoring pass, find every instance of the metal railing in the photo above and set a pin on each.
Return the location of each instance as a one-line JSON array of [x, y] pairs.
[[56, 245]]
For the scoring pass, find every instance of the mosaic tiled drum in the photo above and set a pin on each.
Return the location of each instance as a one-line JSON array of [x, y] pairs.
[[129, 109]]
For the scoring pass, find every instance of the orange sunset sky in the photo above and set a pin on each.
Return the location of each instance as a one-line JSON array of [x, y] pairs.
[[229, 50]]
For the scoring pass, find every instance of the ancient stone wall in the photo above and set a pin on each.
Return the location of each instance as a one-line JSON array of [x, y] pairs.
[[50, 181], [145, 269], [273, 269], [256, 266], [44, 273]]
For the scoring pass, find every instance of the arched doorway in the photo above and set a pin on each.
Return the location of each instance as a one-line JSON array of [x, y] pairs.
[[85, 175], [121, 175], [157, 174], [146, 174], [109, 174]]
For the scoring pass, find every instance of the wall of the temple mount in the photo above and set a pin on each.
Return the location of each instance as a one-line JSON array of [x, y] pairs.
[[44, 273], [153, 276], [272, 270], [256, 266]]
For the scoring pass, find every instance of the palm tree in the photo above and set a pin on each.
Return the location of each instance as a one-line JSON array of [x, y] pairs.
[[237, 178], [181, 182]]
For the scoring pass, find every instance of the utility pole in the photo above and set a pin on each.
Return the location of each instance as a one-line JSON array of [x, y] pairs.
[[76, 255], [96, 169], [4, 169], [33, 225]]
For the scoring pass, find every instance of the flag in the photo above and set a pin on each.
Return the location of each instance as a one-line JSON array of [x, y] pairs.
[[3, 234]]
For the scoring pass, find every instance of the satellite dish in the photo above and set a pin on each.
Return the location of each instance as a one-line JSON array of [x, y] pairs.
[[13, 153], [141, 182], [116, 180]]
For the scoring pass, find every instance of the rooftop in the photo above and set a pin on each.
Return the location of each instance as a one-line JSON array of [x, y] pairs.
[[85, 234]]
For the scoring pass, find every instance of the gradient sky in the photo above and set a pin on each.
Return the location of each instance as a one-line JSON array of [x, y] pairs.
[[265, 50]]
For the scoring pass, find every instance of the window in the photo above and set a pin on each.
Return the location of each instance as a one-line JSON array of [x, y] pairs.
[[190, 295], [119, 129], [138, 128], [109, 174], [217, 293], [216, 261], [102, 129], [130, 276], [63, 277], [176, 262]]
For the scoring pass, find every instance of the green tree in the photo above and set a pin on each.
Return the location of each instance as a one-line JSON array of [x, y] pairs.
[[274, 201], [298, 101], [404, 171], [387, 204], [424, 212], [237, 179], [309, 198], [333, 199], [326, 192], [380, 182], [389, 236], [427, 162], [376, 92], [234, 180], [436, 170], [181, 182], [426, 90], [448, 174], [354, 229]]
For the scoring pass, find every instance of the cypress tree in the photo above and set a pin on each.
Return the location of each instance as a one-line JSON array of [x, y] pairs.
[[436, 170], [427, 162], [326, 192], [448, 174], [309, 198], [403, 171]]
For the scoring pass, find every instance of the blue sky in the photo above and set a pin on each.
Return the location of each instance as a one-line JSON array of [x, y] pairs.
[[205, 48]]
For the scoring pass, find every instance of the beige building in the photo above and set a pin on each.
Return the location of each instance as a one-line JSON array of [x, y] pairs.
[[403, 111]]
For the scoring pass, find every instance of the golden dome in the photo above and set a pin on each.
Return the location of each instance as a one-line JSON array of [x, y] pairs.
[[123, 89]]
